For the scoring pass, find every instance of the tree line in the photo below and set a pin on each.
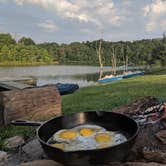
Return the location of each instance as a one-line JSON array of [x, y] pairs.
[[140, 52], [25, 51]]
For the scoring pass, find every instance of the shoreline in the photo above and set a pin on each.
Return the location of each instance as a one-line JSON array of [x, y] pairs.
[[17, 64]]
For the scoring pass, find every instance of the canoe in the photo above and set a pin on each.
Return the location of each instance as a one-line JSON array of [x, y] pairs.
[[132, 74], [65, 89], [110, 78]]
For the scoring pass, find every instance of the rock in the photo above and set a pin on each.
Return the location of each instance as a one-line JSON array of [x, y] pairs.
[[33, 149], [3, 158], [136, 164], [142, 164], [161, 135], [164, 122], [114, 164], [154, 155], [14, 142], [41, 163]]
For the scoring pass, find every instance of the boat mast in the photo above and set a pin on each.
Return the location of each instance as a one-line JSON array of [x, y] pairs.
[[114, 61], [125, 59], [100, 58], [126, 67]]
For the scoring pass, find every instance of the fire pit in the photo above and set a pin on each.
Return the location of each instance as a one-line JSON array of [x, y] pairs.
[[150, 144], [151, 115]]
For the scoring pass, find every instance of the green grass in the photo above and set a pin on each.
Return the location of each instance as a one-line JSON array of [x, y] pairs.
[[102, 97], [108, 96]]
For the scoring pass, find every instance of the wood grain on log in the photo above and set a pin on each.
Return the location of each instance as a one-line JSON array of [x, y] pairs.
[[33, 104]]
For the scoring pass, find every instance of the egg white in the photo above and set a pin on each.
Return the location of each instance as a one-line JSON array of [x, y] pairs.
[[89, 142]]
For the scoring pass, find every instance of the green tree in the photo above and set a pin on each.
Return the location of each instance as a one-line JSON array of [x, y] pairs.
[[5, 52], [26, 41], [6, 39]]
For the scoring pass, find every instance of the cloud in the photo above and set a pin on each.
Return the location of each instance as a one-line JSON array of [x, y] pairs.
[[98, 12], [48, 26], [63, 7], [155, 14]]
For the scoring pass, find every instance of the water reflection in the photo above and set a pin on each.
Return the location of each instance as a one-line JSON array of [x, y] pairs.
[[81, 79], [52, 74]]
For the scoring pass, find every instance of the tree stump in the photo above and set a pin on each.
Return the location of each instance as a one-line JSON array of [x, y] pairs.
[[39, 103]]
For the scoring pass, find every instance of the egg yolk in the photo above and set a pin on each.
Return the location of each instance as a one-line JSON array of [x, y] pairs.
[[58, 145], [103, 138], [86, 132], [68, 134]]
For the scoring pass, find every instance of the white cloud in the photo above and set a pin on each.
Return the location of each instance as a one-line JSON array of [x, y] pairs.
[[98, 12], [155, 14], [63, 7], [48, 26]]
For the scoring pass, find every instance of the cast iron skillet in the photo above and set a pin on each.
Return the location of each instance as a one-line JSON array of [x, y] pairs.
[[109, 120]]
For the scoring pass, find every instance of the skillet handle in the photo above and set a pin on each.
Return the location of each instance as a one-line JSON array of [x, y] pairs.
[[25, 123]]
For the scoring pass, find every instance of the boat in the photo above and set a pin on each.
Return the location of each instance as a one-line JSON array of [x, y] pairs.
[[110, 78], [65, 89], [130, 74]]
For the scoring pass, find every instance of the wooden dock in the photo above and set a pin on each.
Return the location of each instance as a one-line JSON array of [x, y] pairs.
[[12, 85], [26, 80]]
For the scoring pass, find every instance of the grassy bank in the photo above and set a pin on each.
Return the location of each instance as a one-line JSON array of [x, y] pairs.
[[108, 96], [103, 97]]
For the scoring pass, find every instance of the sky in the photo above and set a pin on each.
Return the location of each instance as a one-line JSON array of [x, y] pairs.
[[65, 21]]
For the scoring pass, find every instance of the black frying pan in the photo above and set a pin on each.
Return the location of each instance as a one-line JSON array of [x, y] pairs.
[[109, 120]]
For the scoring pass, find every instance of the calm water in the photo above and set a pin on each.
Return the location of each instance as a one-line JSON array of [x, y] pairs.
[[82, 75]]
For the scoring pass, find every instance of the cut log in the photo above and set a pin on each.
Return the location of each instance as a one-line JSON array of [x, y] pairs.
[[39, 103]]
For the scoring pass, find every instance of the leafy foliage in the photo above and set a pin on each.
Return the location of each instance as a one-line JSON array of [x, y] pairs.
[[6, 39], [26, 41], [24, 52], [141, 52]]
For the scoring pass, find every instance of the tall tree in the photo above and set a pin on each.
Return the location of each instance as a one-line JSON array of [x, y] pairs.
[[6, 39], [26, 41]]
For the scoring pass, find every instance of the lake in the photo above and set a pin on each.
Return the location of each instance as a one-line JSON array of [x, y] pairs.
[[51, 74]]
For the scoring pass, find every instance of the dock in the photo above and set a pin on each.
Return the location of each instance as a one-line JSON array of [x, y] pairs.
[[12, 83]]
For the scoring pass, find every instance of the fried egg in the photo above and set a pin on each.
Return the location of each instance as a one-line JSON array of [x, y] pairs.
[[88, 130], [86, 137], [59, 145], [103, 137], [65, 135]]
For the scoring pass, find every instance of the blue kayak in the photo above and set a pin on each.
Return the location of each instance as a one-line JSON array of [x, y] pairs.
[[65, 89], [133, 74], [110, 79]]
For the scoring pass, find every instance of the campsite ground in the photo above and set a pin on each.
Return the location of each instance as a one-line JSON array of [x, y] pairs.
[[102, 97]]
